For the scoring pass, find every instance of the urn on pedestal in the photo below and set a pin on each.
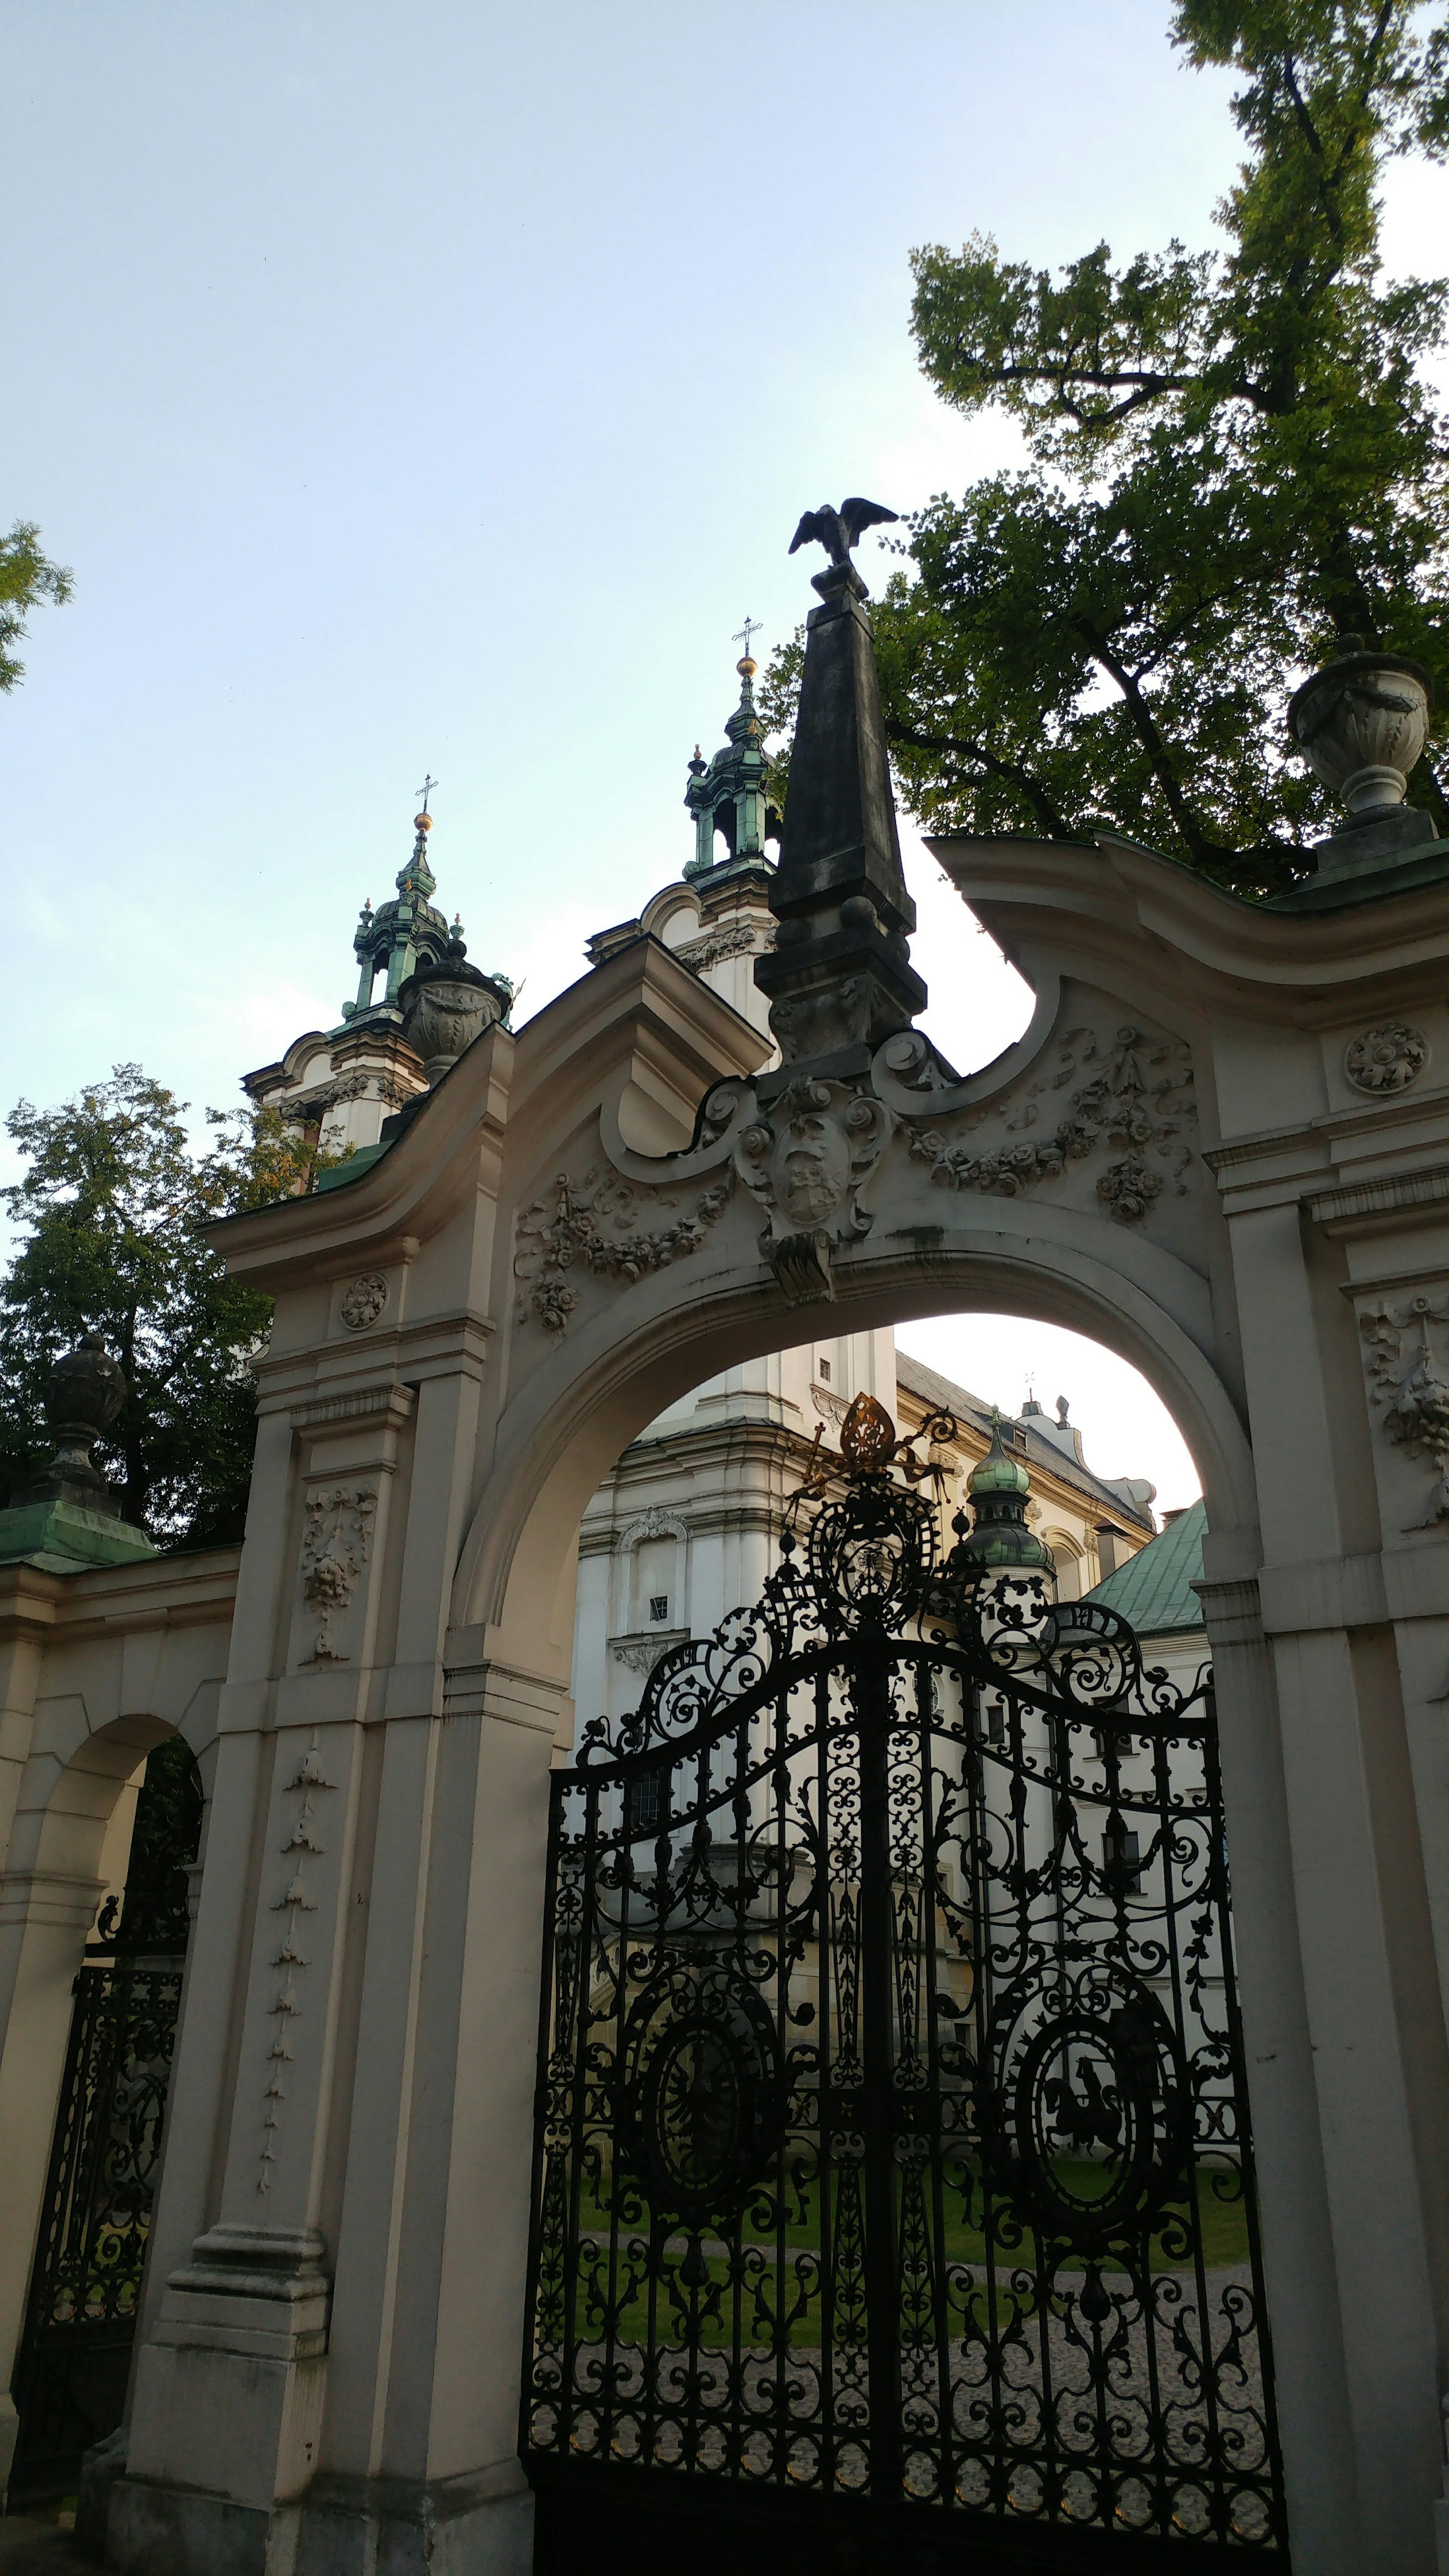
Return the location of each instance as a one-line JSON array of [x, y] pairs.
[[446, 1006], [1361, 723], [69, 1514]]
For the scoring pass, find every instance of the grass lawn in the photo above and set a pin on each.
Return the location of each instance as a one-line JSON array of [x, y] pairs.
[[751, 2306]]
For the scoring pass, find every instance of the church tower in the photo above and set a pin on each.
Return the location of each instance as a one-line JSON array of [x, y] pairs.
[[344, 1082], [727, 796]]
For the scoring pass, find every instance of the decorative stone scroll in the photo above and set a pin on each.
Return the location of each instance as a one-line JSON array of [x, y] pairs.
[[1405, 1378], [594, 1223], [334, 1552], [1139, 1093], [1387, 1059]]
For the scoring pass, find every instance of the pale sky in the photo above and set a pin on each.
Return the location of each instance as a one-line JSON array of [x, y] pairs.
[[436, 386]]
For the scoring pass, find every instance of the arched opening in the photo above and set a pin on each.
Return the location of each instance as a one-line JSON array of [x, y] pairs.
[[138, 1822], [576, 1416], [919, 1859]]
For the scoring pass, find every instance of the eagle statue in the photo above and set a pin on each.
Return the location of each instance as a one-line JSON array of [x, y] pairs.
[[838, 530]]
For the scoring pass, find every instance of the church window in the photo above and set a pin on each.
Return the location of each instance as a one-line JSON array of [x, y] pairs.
[[658, 1605], [824, 1367]]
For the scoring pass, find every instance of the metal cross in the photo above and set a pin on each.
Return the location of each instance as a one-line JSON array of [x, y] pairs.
[[750, 627], [426, 790]]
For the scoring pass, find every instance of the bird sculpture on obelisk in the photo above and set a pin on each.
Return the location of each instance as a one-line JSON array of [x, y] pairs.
[[840, 530]]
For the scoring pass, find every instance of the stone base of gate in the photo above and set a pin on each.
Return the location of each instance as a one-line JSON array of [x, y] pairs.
[[476, 2525]]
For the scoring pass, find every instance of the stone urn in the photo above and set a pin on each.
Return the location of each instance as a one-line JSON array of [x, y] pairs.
[[1361, 723], [83, 1395], [446, 1006]]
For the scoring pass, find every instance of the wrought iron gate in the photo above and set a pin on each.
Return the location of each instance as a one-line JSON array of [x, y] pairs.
[[75, 2352], [894, 2197]]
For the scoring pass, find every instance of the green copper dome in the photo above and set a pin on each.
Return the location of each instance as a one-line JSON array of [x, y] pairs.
[[1000, 1540], [996, 1473]]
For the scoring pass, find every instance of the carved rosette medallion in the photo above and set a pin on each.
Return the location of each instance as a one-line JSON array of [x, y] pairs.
[[805, 1161], [363, 1301], [1402, 1354], [1387, 1059], [334, 1551]]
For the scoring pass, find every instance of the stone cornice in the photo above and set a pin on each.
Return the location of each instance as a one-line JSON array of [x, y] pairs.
[[1119, 904], [355, 1405], [1393, 1194], [154, 1592], [435, 1345]]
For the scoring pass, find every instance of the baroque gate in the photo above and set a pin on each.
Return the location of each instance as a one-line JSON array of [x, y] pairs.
[[894, 2188]]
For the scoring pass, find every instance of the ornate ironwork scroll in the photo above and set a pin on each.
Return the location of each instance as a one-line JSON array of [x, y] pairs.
[[70, 2385], [892, 2158]]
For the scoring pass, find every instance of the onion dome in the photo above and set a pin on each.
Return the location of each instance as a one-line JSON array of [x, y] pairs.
[[727, 796], [1000, 1541]]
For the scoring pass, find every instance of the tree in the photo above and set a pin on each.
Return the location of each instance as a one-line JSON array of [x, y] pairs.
[[111, 1212], [1235, 466], [25, 577]]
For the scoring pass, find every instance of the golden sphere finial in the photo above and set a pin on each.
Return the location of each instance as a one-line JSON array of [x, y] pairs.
[[746, 668]]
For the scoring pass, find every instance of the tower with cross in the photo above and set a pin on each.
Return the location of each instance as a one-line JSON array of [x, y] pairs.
[[727, 796]]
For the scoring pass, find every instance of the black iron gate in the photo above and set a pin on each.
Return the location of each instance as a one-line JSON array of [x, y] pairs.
[[75, 2353], [894, 2200]]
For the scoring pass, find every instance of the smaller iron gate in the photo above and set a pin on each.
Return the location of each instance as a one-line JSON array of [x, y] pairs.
[[894, 2195], [75, 2352]]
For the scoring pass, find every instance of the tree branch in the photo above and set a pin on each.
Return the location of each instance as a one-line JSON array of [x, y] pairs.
[[1151, 740], [1054, 823]]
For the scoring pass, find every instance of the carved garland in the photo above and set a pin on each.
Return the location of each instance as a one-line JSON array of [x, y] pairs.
[[334, 1552], [294, 1900], [593, 1222], [1127, 1101], [1415, 1396]]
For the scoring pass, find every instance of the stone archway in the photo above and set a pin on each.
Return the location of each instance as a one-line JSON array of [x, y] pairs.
[[1176, 1160]]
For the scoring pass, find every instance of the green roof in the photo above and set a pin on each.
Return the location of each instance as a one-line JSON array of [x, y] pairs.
[[1154, 1588]]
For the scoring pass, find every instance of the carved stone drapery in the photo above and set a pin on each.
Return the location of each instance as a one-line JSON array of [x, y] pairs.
[[594, 1223], [334, 1551], [1405, 1378]]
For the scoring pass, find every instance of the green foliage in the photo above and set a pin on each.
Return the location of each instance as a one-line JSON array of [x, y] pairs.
[[25, 577], [111, 1213], [1234, 463]]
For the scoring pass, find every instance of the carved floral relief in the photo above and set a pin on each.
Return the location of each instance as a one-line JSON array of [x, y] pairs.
[[1387, 1059], [363, 1301], [1402, 1347], [1138, 1092], [593, 1224], [335, 1549]]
